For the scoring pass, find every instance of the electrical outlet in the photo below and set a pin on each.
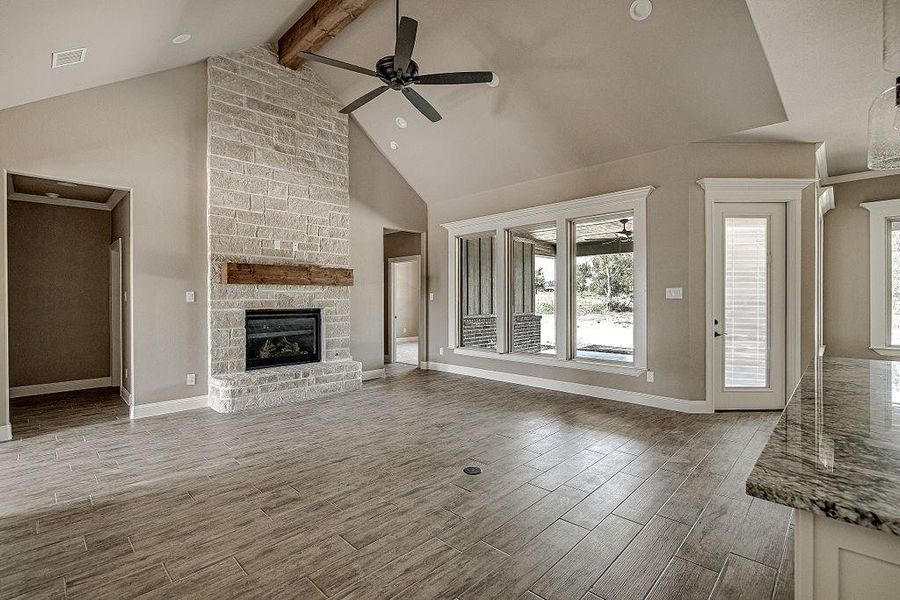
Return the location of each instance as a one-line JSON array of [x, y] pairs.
[[674, 293], [431, 296], [649, 376], [441, 351], [191, 379], [189, 296], [277, 244], [404, 330]]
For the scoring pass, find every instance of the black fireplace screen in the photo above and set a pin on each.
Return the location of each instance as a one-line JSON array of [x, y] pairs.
[[283, 337]]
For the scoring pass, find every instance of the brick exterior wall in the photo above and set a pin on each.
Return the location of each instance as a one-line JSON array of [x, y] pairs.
[[480, 331], [278, 193], [527, 333]]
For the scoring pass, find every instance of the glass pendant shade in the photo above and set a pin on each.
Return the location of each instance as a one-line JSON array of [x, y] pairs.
[[884, 114], [884, 130]]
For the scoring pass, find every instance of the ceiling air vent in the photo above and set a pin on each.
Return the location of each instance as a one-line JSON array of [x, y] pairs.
[[68, 57]]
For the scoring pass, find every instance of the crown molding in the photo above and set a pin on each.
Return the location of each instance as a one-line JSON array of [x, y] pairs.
[[69, 202], [862, 175], [566, 208]]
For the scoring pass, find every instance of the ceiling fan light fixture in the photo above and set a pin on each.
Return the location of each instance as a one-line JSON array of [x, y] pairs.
[[640, 9]]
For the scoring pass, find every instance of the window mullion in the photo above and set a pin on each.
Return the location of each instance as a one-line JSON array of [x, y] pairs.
[[501, 303], [563, 287]]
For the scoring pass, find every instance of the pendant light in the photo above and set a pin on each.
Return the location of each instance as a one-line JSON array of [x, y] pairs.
[[884, 114]]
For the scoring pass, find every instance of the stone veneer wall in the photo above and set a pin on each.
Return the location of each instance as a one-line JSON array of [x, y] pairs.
[[278, 193]]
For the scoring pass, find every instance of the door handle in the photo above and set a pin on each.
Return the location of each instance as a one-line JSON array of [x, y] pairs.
[[717, 334]]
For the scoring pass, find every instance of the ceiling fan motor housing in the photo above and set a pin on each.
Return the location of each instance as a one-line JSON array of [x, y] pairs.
[[388, 74]]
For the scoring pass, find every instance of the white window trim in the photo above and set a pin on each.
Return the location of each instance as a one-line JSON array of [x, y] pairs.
[[562, 212], [879, 275]]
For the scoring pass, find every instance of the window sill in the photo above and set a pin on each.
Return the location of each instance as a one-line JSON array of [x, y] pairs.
[[895, 352], [548, 361]]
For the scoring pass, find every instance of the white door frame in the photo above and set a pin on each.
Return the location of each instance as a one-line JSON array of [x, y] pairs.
[[115, 314], [789, 191], [6, 428], [392, 334]]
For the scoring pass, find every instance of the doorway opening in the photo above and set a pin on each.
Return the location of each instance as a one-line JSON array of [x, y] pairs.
[[404, 299], [68, 322]]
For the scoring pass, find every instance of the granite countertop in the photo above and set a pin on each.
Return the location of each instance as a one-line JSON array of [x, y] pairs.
[[835, 451]]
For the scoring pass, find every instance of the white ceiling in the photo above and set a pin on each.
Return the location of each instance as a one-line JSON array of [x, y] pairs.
[[825, 56], [581, 83], [124, 38]]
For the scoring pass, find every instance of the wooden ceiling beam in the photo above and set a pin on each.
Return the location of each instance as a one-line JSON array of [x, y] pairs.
[[323, 21]]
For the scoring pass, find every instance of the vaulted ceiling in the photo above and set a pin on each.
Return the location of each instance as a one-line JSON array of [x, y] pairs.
[[581, 83]]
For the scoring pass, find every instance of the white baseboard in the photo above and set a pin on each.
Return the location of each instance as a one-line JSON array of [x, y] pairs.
[[5, 432], [60, 386], [403, 340], [153, 409], [373, 374], [595, 391], [125, 395]]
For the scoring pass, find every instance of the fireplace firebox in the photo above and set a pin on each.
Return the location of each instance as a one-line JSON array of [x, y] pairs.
[[283, 337]]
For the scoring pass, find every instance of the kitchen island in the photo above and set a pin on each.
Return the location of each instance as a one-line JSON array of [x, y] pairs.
[[835, 457]]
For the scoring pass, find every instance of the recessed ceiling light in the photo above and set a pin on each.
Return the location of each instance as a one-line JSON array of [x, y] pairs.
[[401, 122], [394, 145], [182, 38], [52, 195], [66, 184], [640, 9]]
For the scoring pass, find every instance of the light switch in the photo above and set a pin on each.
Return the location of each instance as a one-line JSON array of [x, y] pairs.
[[189, 296], [277, 244], [431, 296], [674, 293], [191, 379]]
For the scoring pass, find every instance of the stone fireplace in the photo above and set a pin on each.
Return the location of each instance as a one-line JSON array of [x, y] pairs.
[[278, 194]]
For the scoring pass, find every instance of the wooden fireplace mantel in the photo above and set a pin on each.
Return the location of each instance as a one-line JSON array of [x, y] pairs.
[[250, 273]]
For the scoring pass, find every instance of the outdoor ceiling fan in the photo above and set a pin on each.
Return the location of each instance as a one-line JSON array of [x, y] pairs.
[[399, 72], [621, 236]]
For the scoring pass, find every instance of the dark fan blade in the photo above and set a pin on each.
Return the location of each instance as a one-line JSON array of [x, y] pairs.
[[363, 99], [406, 40], [422, 105], [337, 63], [455, 78]]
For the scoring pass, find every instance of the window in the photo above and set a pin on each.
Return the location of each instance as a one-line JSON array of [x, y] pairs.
[[532, 289], [884, 276], [478, 321], [561, 284], [604, 288]]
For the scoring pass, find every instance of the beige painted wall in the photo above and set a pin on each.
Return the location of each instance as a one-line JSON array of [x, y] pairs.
[[379, 199], [121, 229], [675, 246], [846, 266], [148, 134], [58, 293]]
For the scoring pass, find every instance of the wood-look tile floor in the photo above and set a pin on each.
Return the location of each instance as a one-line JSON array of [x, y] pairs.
[[363, 496]]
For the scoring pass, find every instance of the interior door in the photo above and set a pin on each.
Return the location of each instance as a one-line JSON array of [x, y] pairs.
[[749, 306]]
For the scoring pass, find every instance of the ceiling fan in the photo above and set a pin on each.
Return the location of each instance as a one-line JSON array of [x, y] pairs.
[[400, 72], [621, 236]]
